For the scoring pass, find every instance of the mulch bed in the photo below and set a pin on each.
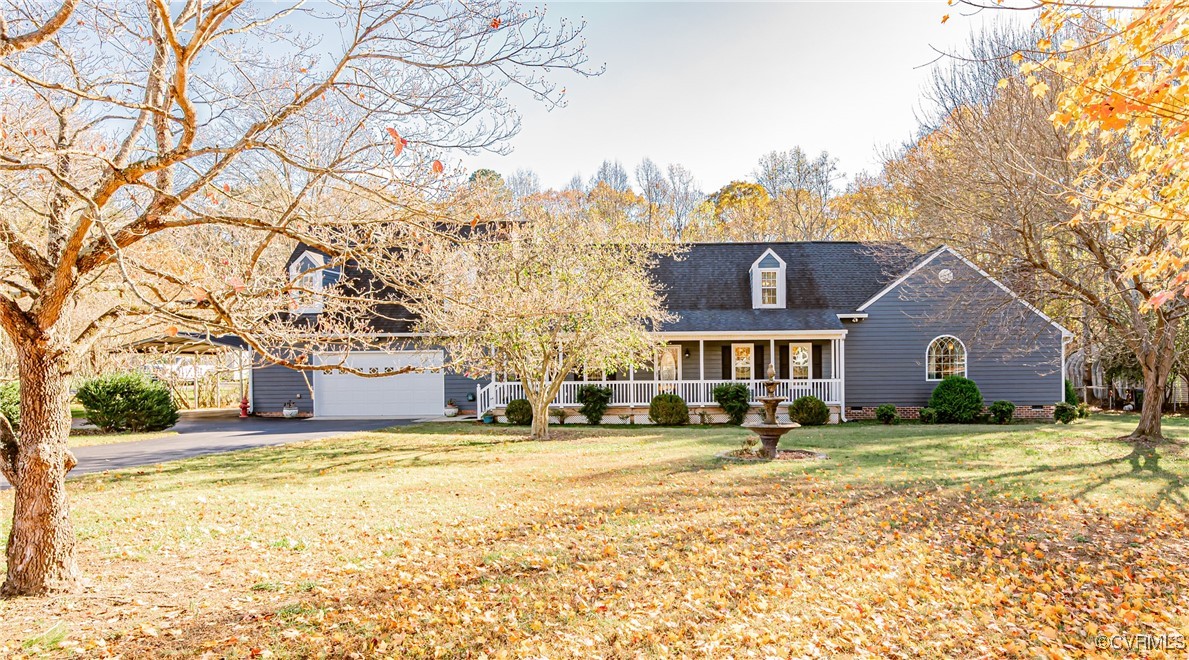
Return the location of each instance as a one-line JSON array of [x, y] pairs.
[[781, 455]]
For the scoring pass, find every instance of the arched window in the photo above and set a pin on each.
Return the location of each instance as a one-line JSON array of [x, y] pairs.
[[946, 357]]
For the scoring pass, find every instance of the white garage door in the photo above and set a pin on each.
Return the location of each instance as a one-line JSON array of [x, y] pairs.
[[413, 394]]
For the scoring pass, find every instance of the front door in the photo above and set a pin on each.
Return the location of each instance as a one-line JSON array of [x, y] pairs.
[[669, 367], [742, 362]]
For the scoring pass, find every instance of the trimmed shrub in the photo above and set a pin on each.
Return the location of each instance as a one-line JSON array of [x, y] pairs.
[[1083, 410], [809, 411], [957, 400], [1071, 395], [928, 416], [1065, 413], [668, 410], [887, 414], [1003, 411], [519, 412], [594, 400], [560, 414], [735, 400], [10, 403], [128, 402]]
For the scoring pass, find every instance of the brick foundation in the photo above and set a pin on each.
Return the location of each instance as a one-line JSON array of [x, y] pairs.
[[914, 412]]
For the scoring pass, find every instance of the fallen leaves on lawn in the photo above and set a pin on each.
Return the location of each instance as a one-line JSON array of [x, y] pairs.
[[607, 557]]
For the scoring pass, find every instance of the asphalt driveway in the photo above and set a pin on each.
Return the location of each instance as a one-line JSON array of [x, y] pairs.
[[211, 435]]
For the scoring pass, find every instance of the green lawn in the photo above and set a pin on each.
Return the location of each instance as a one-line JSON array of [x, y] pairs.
[[456, 540], [90, 439]]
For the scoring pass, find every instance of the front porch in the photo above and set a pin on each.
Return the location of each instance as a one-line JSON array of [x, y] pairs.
[[806, 364]]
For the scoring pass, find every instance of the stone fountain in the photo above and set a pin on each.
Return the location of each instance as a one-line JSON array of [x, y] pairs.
[[770, 430]]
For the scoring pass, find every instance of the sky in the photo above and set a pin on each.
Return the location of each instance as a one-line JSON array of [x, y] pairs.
[[714, 86]]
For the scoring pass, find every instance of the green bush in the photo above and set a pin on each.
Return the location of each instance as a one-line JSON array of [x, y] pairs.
[[128, 402], [735, 400], [594, 400], [668, 410], [1003, 411], [1065, 413], [1083, 410], [10, 403], [519, 412], [887, 414], [957, 400], [809, 411], [928, 416], [1071, 395]]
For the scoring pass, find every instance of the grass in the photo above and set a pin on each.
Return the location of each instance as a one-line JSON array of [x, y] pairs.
[[90, 439], [459, 539]]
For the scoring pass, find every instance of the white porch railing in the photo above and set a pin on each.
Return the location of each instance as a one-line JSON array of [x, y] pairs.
[[641, 392]]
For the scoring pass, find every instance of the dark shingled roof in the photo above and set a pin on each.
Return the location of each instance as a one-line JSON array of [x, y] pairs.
[[709, 288]]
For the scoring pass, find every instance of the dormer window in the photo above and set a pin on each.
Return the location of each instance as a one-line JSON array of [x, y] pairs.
[[768, 287], [307, 276], [768, 281]]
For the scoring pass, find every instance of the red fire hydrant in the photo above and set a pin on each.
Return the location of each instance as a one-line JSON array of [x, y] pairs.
[[243, 407]]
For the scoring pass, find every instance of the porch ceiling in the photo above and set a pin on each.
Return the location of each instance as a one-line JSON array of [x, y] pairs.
[[753, 320]]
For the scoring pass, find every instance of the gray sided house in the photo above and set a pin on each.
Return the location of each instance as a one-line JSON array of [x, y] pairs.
[[854, 324]]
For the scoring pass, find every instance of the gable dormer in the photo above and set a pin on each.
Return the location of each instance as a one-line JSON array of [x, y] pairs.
[[768, 281], [308, 275]]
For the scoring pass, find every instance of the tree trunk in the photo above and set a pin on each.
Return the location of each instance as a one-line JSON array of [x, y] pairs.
[[540, 428], [41, 543], [1155, 365]]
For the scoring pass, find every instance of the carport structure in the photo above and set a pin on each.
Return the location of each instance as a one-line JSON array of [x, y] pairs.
[[209, 359]]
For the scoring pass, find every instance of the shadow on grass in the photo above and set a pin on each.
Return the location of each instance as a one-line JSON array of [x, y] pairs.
[[840, 535]]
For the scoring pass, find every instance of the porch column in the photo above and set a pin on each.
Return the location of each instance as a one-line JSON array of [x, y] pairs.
[[842, 380], [631, 384], [702, 371], [771, 355]]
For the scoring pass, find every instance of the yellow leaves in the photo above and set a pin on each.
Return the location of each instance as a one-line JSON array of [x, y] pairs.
[[1017, 57], [945, 18], [1040, 89]]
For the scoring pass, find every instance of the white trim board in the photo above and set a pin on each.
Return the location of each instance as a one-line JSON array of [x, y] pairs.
[[755, 334], [945, 248]]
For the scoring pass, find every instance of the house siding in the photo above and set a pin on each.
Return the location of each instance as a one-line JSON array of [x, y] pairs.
[[1012, 352], [273, 385], [458, 386]]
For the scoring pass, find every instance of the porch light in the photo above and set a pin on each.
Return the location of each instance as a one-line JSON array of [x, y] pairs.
[[687, 353]]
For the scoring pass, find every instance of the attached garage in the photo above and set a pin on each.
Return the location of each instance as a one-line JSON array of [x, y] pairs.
[[413, 394]]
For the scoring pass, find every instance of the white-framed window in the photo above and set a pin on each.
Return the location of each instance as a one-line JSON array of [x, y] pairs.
[[743, 365], [768, 287], [946, 356], [768, 281], [308, 276], [668, 365], [800, 361]]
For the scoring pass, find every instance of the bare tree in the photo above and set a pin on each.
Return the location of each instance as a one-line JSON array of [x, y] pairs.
[[524, 183], [555, 293], [684, 197], [992, 177], [158, 151], [613, 174], [654, 188], [801, 189], [39, 29]]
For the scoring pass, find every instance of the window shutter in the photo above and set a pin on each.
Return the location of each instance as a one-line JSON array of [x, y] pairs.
[[817, 361], [760, 368], [727, 372], [782, 362]]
